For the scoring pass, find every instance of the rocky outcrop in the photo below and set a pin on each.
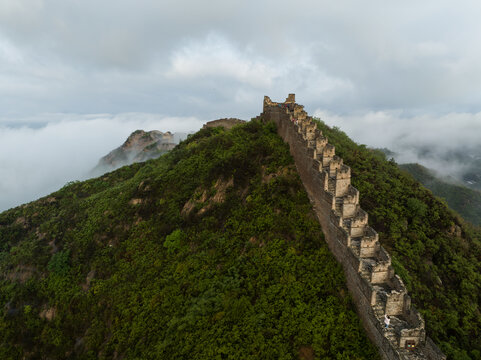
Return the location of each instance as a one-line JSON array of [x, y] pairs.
[[376, 289], [139, 146]]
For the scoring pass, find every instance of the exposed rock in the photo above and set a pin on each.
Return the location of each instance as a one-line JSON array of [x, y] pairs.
[[21, 273], [53, 247], [135, 201], [85, 286], [48, 313], [144, 186], [221, 188], [140, 146], [188, 207], [21, 221], [201, 197], [254, 241], [306, 353], [40, 235], [455, 230]]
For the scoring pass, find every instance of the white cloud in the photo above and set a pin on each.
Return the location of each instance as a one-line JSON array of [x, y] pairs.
[[89, 56], [37, 161], [431, 48], [218, 58], [408, 136], [21, 10], [387, 61], [448, 131], [9, 54]]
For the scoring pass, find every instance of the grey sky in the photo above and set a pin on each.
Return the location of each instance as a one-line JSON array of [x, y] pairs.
[[185, 57], [62, 60]]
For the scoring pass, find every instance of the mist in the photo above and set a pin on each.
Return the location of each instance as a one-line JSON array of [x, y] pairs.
[[41, 157], [406, 76], [445, 143]]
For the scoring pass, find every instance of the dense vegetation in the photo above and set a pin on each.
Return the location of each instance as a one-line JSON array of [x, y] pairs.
[[438, 256], [209, 252], [465, 201]]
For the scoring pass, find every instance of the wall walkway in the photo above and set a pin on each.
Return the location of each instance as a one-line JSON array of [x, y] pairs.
[[374, 286]]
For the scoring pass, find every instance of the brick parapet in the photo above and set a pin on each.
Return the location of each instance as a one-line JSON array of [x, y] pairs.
[[375, 288]]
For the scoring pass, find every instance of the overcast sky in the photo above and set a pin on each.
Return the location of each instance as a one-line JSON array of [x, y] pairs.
[[77, 76]]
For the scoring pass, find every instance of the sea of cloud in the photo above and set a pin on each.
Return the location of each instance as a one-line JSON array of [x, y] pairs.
[[189, 60], [38, 155], [431, 140], [41, 154]]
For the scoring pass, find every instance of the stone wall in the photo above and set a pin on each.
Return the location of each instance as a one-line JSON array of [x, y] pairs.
[[375, 288], [225, 123]]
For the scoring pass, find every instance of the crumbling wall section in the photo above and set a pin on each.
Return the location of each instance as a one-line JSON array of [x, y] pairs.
[[225, 123]]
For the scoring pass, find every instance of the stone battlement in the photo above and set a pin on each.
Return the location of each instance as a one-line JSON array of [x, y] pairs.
[[376, 289]]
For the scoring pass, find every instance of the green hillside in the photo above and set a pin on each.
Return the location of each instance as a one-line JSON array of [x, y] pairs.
[[209, 252], [463, 200], [438, 256]]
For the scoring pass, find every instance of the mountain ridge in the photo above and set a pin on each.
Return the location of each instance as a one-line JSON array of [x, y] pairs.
[[434, 251], [84, 248], [464, 200], [113, 268]]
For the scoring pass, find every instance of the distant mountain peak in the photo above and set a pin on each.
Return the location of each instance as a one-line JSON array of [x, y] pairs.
[[141, 140], [140, 146]]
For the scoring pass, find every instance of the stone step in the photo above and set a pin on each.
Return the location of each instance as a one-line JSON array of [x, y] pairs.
[[396, 326], [378, 310], [391, 336], [356, 246], [338, 205], [380, 301], [365, 274], [331, 185], [367, 267]]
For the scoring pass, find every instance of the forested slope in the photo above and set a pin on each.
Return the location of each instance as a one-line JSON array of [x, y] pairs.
[[209, 252], [436, 254], [464, 200]]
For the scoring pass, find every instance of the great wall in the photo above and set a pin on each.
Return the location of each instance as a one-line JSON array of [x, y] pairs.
[[375, 288]]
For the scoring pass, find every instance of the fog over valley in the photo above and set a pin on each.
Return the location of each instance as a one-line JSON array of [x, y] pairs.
[[449, 144], [326, 205], [37, 160]]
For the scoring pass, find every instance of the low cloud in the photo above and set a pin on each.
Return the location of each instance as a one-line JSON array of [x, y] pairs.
[[35, 161], [186, 59], [433, 141]]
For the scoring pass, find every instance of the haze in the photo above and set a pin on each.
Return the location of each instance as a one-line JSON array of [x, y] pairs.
[[389, 74]]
